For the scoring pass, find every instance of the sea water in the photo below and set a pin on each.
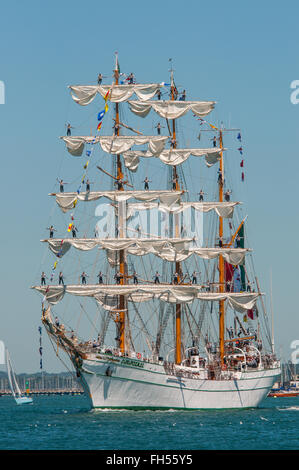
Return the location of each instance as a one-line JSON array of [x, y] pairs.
[[67, 423]]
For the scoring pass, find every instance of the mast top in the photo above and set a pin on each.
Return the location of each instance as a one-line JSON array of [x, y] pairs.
[[171, 72], [116, 67]]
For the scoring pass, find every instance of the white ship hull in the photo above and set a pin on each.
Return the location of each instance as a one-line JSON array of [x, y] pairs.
[[136, 384]]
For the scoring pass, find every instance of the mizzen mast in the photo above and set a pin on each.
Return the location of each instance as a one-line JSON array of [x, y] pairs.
[[221, 244]]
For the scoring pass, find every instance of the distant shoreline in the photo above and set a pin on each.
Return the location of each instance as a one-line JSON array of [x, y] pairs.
[[43, 383]]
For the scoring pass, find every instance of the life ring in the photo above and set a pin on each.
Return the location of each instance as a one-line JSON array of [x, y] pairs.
[[138, 356]]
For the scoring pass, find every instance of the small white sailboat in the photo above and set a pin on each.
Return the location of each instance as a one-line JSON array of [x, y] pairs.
[[13, 383]]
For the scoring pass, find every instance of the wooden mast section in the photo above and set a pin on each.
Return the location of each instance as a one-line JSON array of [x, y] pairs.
[[176, 186], [221, 260], [121, 314]]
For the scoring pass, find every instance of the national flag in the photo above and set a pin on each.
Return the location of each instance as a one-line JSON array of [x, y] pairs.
[[228, 271], [241, 244], [253, 313], [237, 279], [228, 275]]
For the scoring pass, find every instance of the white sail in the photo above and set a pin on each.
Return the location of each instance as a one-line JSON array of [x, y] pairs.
[[119, 144], [11, 377], [146, 245], [240, 301], [13, 383], [171, 157], [114, 144], [66, 200], [172, 109], [222, 209], [85, 94], [168, 249], [2, 353]]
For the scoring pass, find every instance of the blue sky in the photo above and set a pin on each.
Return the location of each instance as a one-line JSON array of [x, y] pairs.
[[243, 55]]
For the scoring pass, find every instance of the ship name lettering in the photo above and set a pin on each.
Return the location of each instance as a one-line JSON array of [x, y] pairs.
[[132, 363]]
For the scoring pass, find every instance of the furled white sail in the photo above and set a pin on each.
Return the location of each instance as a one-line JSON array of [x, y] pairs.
[[108, 302], [240, 301], [142, 246], [233, 256], [172, 109], [66, 200], [170, 249], [120, 144], [85, 94], [172, 157], [222, 209], [115, 144]]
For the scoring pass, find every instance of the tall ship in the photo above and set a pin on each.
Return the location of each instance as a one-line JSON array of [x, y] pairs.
[[147, 284]]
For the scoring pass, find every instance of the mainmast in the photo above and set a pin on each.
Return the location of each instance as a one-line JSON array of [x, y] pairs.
[[221, 260], [178, 325], [120, 318]]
